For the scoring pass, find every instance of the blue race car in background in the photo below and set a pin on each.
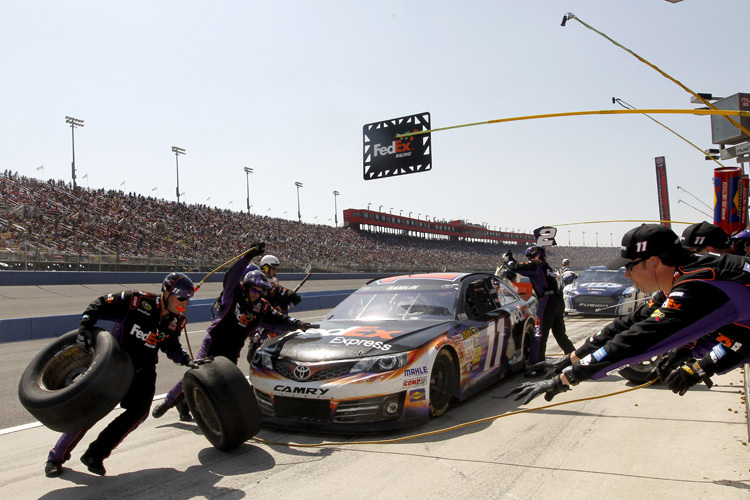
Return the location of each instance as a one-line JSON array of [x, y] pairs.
[[602, 291]]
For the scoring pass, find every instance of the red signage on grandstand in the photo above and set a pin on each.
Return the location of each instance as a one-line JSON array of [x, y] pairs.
[[456, 230]]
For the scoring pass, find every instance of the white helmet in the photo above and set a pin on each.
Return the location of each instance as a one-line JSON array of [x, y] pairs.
[[269, 260], [566, 262]]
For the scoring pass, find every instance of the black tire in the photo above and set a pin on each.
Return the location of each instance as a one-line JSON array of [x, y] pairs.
[[222, 403], [442, 382], [529, 330], [526, 341], [640, 373], [68, 389]]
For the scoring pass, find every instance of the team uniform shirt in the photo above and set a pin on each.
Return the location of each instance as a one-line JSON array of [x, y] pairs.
[[541, 275], [710, 295], [139, 326], [237, 317]]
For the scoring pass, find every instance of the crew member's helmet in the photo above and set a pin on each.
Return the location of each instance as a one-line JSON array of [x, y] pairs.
[[178, 284], [566, 262], [254, 278], [742, 235], [269, 261], [535, 251]]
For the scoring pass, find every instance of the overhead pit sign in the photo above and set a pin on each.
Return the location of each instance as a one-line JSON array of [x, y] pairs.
[[387, 156]]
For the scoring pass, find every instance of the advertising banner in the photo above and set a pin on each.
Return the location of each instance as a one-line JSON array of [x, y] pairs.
[[727, 204]]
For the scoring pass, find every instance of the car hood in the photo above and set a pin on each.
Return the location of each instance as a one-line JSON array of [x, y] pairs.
[[595, 288], [336, 340]]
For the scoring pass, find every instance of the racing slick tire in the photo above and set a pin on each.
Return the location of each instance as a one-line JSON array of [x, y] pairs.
[[442, 382], [67, 388], [222, 403], [642, 372], [526, 341]]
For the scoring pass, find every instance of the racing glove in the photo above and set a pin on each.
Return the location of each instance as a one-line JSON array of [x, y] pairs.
[[294, 298], [552, 365], [256, 249], [301, 325], [85, 338], [688, 375], [508, 257], [529, 390], [671, 360]]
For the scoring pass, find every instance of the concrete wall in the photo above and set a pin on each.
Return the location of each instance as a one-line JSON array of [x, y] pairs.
[[199, 310]]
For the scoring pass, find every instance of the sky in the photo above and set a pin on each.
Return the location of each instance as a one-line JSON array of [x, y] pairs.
[[285, 88]]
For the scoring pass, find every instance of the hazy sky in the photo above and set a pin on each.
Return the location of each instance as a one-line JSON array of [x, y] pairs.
[[285, 88]]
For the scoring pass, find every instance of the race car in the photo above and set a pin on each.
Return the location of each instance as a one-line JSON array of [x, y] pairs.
[[602, 291], [396, 352]]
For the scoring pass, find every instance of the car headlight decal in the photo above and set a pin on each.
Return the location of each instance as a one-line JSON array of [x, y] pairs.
[[378, 364]]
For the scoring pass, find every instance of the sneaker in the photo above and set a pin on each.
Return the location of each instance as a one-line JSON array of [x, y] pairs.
[[52, 469], [184, 411], [95, 465], [160, 409]]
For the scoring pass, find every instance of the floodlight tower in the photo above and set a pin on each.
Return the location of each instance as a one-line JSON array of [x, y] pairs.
[[177, 152], [73, 122]]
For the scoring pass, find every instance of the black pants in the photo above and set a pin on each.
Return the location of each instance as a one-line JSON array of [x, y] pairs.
[[553, 319]]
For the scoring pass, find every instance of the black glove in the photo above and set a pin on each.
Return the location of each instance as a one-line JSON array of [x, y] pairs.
[[686, 376], [305, 326], [552, 365], [672, 360], [529, 390], [85, 338], [294, 298], [256, 249], [508, 257]]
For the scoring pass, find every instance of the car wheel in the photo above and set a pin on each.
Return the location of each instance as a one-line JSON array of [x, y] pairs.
[[527, 339], [442, 380], [222, 403], [529, 330], [640, 373], [68, 389]]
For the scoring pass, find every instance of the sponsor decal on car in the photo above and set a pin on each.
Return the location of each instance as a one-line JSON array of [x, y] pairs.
[[412, 382], [288, 389], [416, 395], [413, 372]]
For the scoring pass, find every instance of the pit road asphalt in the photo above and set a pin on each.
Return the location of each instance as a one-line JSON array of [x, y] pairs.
[[647, 443]]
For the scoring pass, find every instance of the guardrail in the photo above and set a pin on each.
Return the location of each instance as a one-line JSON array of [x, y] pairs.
[[198, 310]]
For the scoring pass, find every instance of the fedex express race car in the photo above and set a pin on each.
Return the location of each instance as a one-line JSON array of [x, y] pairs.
[[602, 291], [396, 352]]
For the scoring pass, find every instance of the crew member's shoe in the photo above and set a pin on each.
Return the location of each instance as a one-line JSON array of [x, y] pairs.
[[160, 409], [184, 411], [52, 469], [94, 464]]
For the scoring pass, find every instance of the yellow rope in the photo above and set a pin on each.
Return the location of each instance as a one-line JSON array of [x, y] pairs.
[[570, 15], [722, 112], [452, 428]]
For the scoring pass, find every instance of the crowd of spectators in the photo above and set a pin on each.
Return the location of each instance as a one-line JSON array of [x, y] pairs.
[[51, 216]]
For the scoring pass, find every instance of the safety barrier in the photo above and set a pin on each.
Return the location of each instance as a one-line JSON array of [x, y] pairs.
[[198, 310]]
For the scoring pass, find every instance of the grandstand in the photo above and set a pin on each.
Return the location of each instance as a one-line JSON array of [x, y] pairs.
[[50, 226]]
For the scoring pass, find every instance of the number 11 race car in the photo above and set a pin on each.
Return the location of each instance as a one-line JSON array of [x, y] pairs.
[[394, 353]]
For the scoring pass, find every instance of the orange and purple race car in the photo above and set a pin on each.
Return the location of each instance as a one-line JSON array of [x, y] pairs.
[[394, 353]]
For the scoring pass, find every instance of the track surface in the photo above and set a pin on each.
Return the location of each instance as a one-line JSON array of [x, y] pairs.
[[646, 443]]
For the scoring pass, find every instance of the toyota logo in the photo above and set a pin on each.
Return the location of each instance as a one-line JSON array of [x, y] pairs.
[[302, 372]]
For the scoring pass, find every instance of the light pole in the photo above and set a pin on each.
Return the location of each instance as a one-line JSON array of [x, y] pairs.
[[177, 152], [248, 171], [299, 212], [335, 209], [584, 238], [380, 208], [73, 122]]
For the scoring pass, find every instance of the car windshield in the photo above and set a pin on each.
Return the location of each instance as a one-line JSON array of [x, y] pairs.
[[604, 276], [382, 304]]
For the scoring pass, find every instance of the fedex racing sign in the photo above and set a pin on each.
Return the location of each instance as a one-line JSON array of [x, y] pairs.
[[388, 156]]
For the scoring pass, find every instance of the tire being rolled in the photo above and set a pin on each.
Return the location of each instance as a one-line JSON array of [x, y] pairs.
[[222, 403], [642, 372], [67, 388]]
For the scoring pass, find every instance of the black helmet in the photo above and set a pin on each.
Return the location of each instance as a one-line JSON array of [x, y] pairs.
[[178, 284]]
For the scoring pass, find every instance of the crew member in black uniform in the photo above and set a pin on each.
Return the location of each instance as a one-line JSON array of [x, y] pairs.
[[144, 324], [241, 309], [551, 309], [704, 295]]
